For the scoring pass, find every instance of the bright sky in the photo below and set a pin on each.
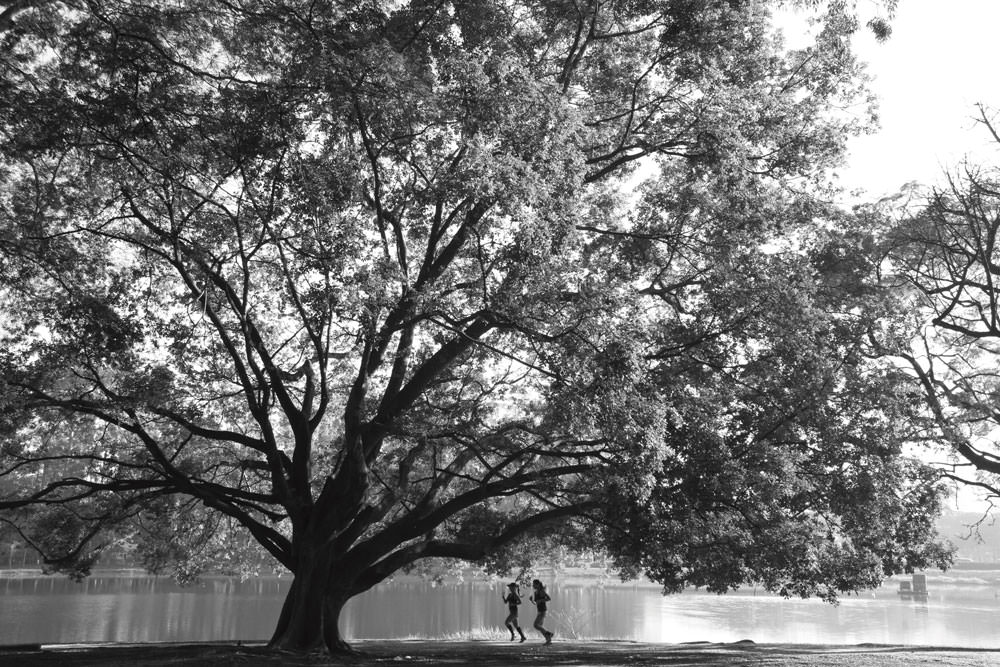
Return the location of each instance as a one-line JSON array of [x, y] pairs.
[[942, 58]]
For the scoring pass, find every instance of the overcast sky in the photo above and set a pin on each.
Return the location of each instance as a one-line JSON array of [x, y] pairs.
[[942, 58]]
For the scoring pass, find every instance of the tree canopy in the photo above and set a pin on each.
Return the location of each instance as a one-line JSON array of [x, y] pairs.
[[380, 282]]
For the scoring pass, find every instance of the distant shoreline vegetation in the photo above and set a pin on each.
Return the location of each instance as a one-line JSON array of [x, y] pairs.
[[962, 573]]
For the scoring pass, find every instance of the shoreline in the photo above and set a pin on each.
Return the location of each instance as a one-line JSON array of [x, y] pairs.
[[594, 653]]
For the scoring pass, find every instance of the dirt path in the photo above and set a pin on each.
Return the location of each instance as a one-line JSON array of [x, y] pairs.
[[494, 654]]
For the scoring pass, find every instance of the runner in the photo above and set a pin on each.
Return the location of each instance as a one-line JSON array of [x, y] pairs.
[[513, 599], [540, 598]]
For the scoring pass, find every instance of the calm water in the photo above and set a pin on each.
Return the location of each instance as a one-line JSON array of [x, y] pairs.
[[959, 612]]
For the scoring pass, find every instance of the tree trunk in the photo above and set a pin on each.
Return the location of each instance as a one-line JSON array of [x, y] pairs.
[[309, 610], [333, 604]]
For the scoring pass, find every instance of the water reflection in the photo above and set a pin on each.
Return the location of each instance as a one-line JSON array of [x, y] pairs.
[[136, 609], [147, 609]]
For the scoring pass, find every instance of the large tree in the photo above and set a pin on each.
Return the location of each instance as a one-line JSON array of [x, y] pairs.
[[382, 282]]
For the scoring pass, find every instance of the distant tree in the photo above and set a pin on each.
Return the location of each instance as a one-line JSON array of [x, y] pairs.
[[382, 283], [943, 256]]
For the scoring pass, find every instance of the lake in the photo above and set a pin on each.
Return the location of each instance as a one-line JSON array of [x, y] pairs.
[[962, 609]]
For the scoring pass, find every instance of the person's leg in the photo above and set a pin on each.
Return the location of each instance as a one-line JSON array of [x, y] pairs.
[[517, 626], [539, 621], [539, 625], [511, 623]]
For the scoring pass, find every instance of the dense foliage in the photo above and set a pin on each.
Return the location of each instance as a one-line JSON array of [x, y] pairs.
[[380, 282]]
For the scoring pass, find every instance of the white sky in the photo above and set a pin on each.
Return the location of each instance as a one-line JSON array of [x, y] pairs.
[[942, 58]]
